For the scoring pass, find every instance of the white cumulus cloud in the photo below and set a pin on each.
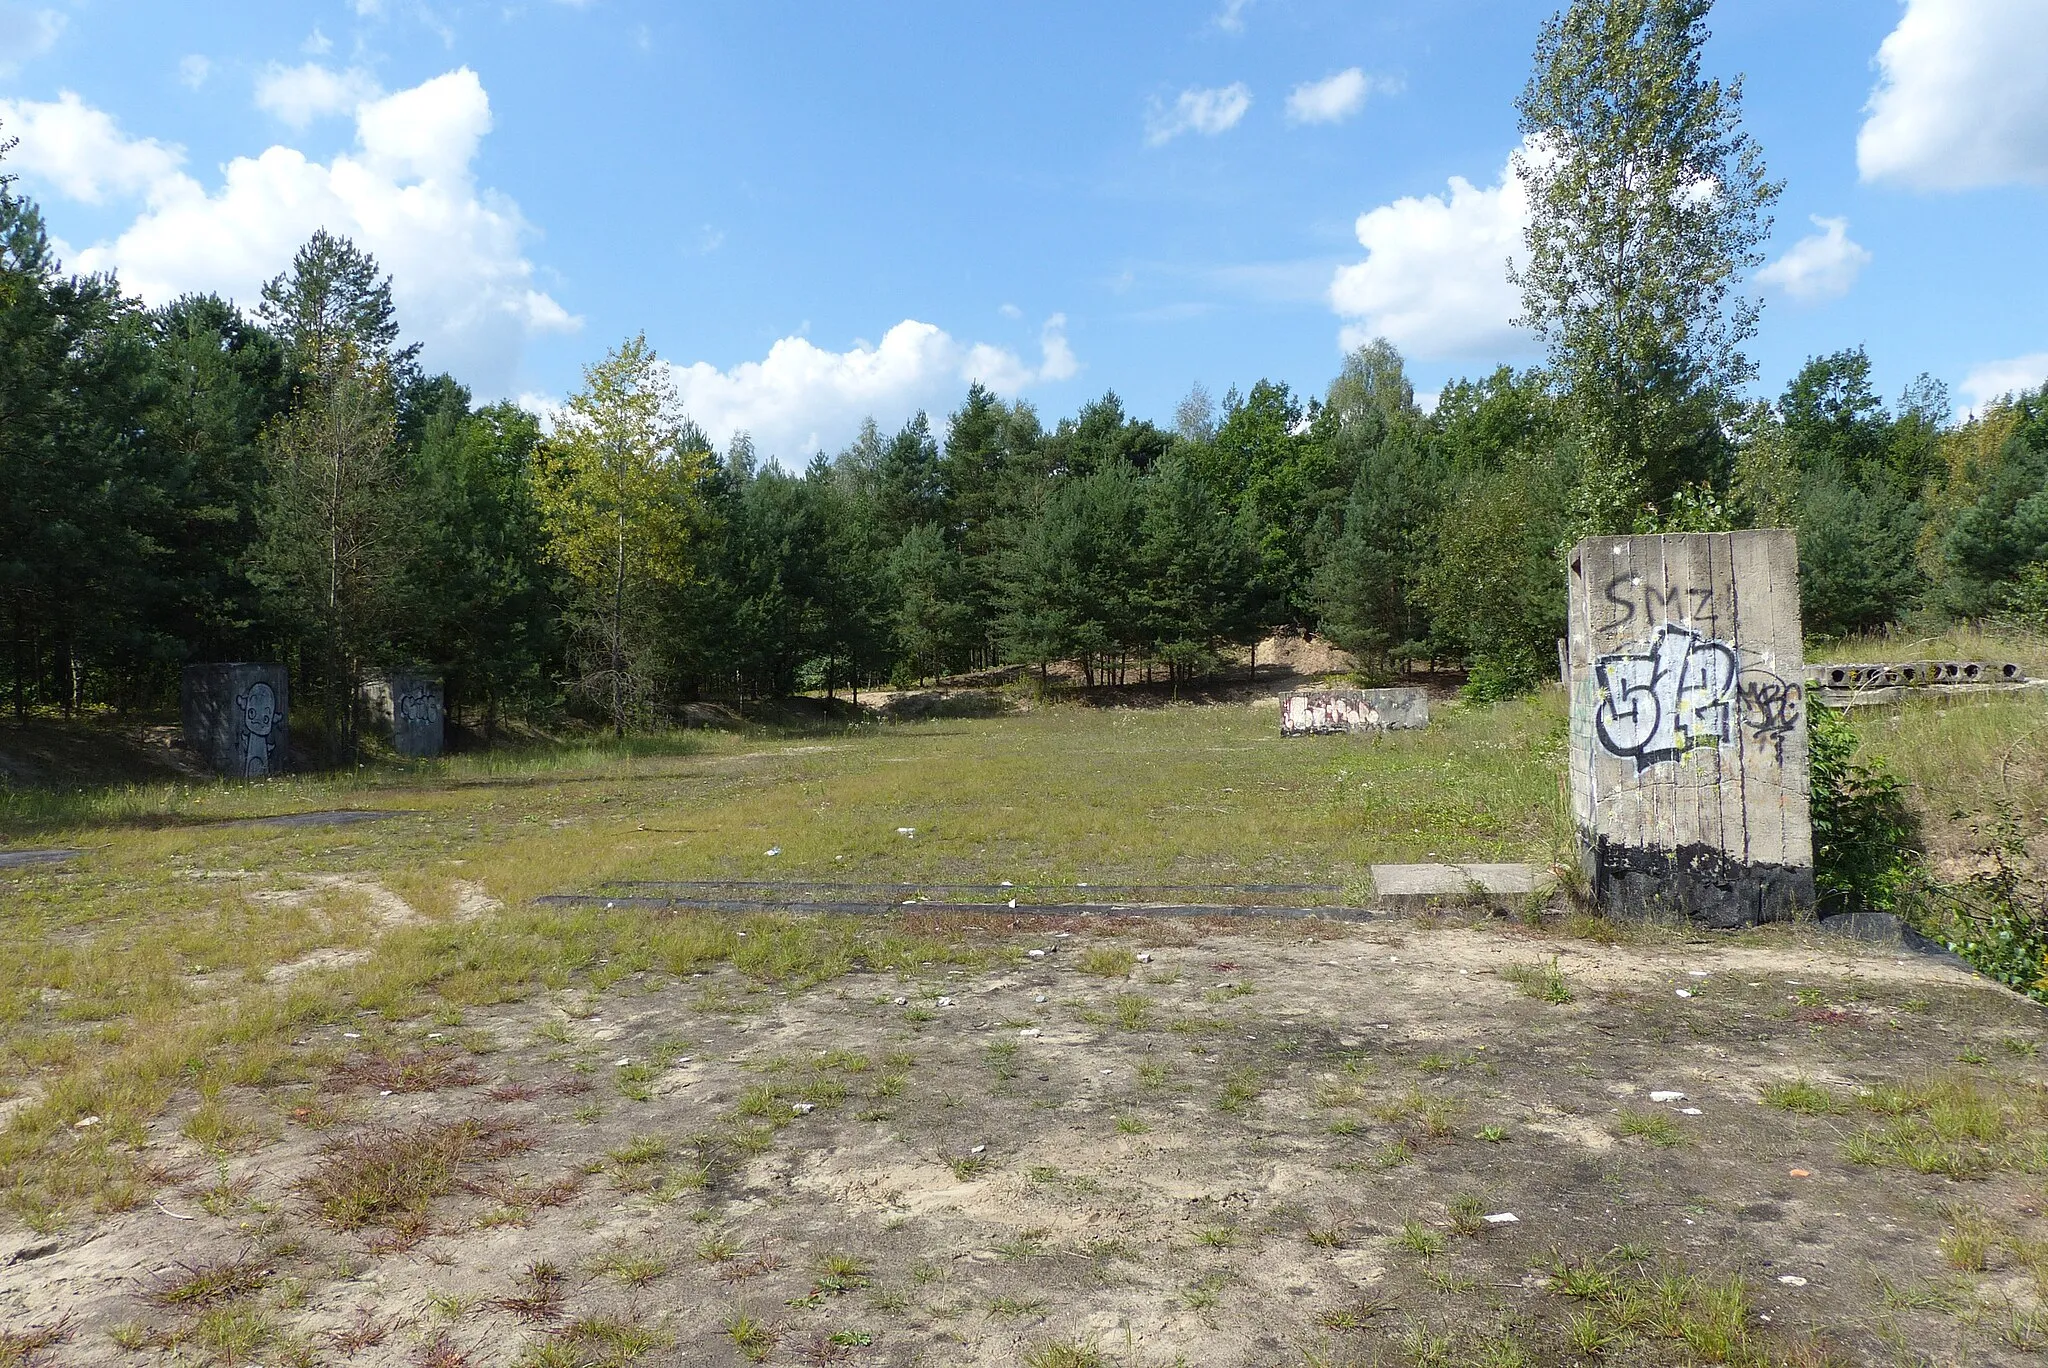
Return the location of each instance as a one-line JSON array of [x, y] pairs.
[[82, 152], [1996, 379], [26, 32], [1962, 97], [406, 194], [1434, 281], [1207, 112], [299, 95], [1820, 265], [802, 398], [193, 69], [1334, 98]]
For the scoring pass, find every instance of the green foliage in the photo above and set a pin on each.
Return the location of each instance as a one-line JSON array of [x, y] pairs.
[[1632, 268], [1863, 834], [1996, 919], [615, 489]]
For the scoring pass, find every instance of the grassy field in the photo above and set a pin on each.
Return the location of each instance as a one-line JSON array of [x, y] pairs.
[[345, 1093]]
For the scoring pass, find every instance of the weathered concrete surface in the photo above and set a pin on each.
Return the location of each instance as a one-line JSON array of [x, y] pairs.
[[21, 859], [236, 717], [1688, 725], [1860, 685], [1419, 887], [406, 709], [1330, 711]]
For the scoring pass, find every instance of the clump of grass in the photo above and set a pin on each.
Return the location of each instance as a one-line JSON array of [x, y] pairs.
[[1108, 961], [595, 1342], [1544, 982], [755, 1339], [1065, 1353], [719, 1246], [1002, 1059], [1132, 1011], [24, 1348], [543, 1288], [1468, 1214], [205, 1284], [634, 1267], [390, 1178], [1216, 1236], [1240, 1090], [1800, 1095], [1966, 1243], [1418, 1238], [1128, 1124], [1654, 1127], [1359, 1315], [1955, 1127]]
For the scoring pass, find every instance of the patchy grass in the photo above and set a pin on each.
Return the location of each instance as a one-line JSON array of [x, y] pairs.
[[391, 1178]]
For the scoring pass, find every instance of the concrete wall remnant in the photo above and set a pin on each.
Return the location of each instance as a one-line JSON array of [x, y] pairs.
[[236, 716], [1688, 725], [406, 709], [1324, 712]]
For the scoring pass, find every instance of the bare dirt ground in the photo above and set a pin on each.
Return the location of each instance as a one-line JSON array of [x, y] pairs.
[[1131, 1144]]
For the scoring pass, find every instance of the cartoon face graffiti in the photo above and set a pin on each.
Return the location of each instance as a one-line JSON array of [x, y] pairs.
[[257, 706]]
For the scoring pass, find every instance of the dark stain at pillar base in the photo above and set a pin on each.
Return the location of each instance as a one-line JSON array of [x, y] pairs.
[[1700, 882]]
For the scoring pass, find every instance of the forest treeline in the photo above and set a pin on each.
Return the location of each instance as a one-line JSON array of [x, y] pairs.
[[193, 483], [200, 482]]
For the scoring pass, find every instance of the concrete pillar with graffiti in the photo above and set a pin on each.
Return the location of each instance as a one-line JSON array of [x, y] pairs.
[[1688, 725]]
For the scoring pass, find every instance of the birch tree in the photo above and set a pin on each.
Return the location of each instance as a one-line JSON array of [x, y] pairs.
[[615, 487]]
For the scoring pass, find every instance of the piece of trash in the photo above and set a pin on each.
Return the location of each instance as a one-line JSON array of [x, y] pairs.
[[1013, 902], [772, 851], [1685, 992], [1144, 958], [906, 831], [385, 1093], [1105, 1073], [902, 1002], [1791, 1280], [623, 1062], [1799, 1173], [802, 1108], [433, 1035], [1502, 1218], [1035, 954], [1006, 884], [908, 901], [1667, 1096], [945, 1002], [1028, 1031], [977, 1149], [174, 1215], [85, 1123], [1040, 997], [1696, 973], [1690, 1111], [351, 1035]]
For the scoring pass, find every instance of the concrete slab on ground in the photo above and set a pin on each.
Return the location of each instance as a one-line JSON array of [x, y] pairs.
[[1418, 887], [18, 859]]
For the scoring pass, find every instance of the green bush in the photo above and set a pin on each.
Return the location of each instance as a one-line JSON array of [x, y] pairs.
[[1864, 838]]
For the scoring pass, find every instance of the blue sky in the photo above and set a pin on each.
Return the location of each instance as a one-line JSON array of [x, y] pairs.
[[817, 211]]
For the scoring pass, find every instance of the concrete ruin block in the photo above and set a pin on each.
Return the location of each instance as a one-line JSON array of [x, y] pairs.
[[1688, 725], [406, 709], [1320, 713], [236, 716]]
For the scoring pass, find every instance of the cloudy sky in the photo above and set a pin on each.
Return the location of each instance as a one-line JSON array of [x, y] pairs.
[[819, 211]]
